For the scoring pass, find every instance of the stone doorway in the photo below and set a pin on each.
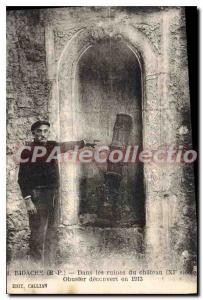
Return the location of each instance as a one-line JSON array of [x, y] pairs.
[[87, 48], [109, 82]]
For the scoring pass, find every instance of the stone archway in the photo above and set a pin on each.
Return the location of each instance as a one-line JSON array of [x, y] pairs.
[[64, 88], [108, 81]]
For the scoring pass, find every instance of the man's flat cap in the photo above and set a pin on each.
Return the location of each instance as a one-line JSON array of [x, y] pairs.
[[38, 124]]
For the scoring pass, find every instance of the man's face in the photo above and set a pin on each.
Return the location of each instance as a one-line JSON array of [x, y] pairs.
[[41, 133]]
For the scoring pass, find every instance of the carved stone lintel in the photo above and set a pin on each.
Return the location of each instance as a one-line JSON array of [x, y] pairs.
[[62, 37], [153, 34]]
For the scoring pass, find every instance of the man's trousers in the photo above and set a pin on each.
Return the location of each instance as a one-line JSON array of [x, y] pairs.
[[43, 226]]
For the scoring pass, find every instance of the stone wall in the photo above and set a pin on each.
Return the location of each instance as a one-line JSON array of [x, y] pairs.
[[43, 82], [27, 101]]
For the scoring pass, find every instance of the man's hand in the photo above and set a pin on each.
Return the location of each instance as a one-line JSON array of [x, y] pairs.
[[31, 209], [91, 143]]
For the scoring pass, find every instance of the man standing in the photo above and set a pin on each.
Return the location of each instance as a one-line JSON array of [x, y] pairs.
[[39, 183]]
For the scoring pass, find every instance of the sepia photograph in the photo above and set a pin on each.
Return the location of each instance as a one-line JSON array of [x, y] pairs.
[[101, 117]]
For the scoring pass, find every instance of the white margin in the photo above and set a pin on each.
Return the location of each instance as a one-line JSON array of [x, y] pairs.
[[50, 3]]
